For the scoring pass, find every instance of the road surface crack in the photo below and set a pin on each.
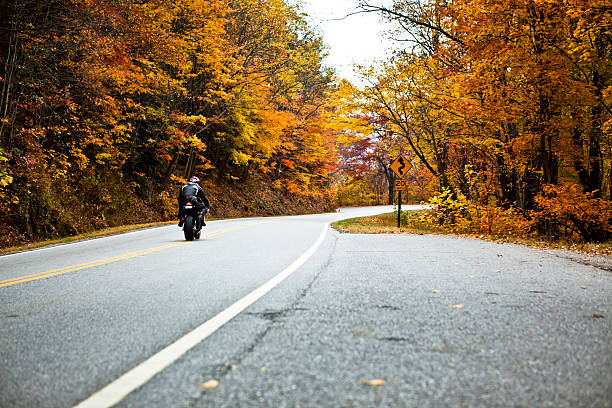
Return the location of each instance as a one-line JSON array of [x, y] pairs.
[[275, 320], [395, 339], [388, 307], [275, 315]]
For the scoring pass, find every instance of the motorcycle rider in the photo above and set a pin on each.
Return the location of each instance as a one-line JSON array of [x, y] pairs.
[[194, 193]]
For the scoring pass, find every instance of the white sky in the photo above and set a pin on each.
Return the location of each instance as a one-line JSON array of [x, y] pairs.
[[358, 39]]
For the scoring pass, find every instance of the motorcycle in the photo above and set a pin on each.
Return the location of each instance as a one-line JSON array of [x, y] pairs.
[[193, 217]]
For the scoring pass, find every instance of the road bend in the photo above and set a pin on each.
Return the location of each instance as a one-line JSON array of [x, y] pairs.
[[285, 311], [75, 317]]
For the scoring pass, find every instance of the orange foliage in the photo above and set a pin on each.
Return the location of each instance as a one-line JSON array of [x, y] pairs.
[[104, 101], [576, 212], [464, 216]]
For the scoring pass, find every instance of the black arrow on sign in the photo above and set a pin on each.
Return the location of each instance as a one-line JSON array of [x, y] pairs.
[[402, 162]]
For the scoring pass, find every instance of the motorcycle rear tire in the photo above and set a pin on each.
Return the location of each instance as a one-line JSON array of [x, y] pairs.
[[188, 228]]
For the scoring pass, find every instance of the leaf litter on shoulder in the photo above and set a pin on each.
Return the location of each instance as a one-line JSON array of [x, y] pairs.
[[387, 224]]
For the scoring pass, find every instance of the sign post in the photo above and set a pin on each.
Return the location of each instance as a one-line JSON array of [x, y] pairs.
[[400, 185], [399, 208], [400, 167]]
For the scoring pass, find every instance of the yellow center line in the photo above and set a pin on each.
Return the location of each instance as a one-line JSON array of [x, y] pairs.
[[127, 255], [92, 263]]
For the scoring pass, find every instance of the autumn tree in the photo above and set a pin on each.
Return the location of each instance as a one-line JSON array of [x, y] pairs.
[[503, 98], [107, 106]]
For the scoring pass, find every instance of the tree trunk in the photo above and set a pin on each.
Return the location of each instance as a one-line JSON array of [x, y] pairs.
[[9, 50], [531, 186], [391, 180], [190, 164], [442, 165], [171, 168], [505, 182]]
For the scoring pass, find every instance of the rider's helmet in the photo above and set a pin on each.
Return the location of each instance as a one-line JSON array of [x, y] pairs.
[[194, 179]]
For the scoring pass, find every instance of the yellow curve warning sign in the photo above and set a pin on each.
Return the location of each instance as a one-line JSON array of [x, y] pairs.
[[400, 166]]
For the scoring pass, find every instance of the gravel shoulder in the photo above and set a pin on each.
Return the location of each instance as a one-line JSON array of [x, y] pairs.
[[598, 261]]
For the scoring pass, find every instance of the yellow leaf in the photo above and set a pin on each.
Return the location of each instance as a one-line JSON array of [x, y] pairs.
[[374, 383], [435, 291], [210, 384], [457, 306]]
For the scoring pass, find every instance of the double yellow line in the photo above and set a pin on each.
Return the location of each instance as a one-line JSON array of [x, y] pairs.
[[127, 255]]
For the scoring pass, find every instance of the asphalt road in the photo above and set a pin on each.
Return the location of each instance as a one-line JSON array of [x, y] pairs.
[[442, 321]]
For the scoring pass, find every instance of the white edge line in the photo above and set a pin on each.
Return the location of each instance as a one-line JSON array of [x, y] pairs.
[[143, 372]]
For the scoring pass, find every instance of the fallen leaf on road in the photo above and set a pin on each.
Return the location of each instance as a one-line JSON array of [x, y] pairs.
[[583, 287], [435, 291], [597, 315], [210, 384], [499, 255], [457, 306], [263, 369], [374, 383]]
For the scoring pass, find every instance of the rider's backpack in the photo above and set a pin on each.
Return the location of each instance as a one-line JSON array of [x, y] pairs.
[[189, 190]]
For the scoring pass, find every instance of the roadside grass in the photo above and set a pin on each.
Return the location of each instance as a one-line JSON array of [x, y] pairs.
[[411, 224], [386, 224], [80, 237]]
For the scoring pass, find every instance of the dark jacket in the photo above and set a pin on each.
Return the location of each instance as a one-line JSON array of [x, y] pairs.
[[192, 190]]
